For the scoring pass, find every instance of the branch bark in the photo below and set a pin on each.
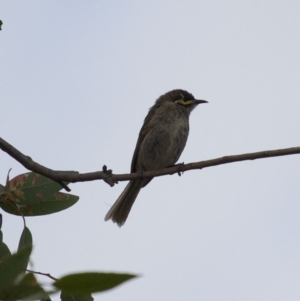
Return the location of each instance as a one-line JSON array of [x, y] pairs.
[[111, 179]]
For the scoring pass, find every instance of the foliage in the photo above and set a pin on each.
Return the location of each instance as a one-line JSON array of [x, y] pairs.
[[31, 194]]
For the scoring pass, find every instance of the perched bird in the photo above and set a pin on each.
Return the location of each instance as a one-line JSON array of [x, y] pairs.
[[161, 141]]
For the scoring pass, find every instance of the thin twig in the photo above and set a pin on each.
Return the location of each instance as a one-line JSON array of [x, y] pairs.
[[44, 274]]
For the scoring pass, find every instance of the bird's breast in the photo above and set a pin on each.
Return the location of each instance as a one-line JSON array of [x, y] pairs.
[[164, 140]]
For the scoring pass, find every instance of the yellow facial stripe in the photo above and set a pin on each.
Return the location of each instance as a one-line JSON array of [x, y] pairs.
[[184, 102]]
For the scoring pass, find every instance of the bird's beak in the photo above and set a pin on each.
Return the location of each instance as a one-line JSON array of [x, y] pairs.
[[198, 101]]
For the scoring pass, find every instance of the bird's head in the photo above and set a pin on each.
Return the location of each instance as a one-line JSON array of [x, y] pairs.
[[180, 98]]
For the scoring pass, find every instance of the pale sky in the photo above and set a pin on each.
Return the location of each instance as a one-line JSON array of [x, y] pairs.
[[77, 79]]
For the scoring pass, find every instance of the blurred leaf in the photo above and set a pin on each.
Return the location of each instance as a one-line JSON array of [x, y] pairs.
[[25, 239], [9, 206], [30, 188], [12, 267], [27, 289], [4, 251], [55, 203], [64, 296], [1, 188], [84, 283], [31, 194]]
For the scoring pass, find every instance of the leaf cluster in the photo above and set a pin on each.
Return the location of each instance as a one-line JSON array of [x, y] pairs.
[[28, 195]]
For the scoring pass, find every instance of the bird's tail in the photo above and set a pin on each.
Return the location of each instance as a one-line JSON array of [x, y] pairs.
[[119, 211]]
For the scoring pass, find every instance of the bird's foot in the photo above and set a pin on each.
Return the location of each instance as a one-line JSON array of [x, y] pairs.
[[180, 168]]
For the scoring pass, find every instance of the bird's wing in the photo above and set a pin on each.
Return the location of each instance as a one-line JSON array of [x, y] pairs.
[[143, 133]]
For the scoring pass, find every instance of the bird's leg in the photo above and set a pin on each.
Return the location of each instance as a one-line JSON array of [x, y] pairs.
[[180, 168]]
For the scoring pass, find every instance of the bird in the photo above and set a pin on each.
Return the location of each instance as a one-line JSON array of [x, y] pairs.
[[160, 143]]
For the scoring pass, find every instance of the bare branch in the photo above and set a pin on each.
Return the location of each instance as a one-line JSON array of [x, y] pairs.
[[111, 178], [44, 274]]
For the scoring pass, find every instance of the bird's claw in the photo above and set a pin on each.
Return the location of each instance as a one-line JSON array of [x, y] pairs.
[[180, 168]]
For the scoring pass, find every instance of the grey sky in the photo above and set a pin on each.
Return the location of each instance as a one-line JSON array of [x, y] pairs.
[[77, 79]]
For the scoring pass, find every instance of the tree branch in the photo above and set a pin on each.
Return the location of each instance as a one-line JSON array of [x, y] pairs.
[[111, 179], [44, 274]]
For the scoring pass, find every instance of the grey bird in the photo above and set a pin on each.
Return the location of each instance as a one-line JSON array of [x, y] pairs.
[[161, 141]]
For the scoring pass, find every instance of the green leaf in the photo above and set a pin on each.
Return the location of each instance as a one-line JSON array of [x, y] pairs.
[[1, 188], [30, 188], [27, 289], [85, 283], [64, 296], [25, 239], [4, 251], [55, 203], [12, 267], [31, 194], [9, 206]]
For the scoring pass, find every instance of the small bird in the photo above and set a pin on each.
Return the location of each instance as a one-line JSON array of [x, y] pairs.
[[161, 141]]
